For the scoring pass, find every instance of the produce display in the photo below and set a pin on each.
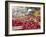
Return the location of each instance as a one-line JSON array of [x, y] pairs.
[[27, 21]]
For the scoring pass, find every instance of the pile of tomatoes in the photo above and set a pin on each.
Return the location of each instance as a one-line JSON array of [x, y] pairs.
[[27, 24]]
